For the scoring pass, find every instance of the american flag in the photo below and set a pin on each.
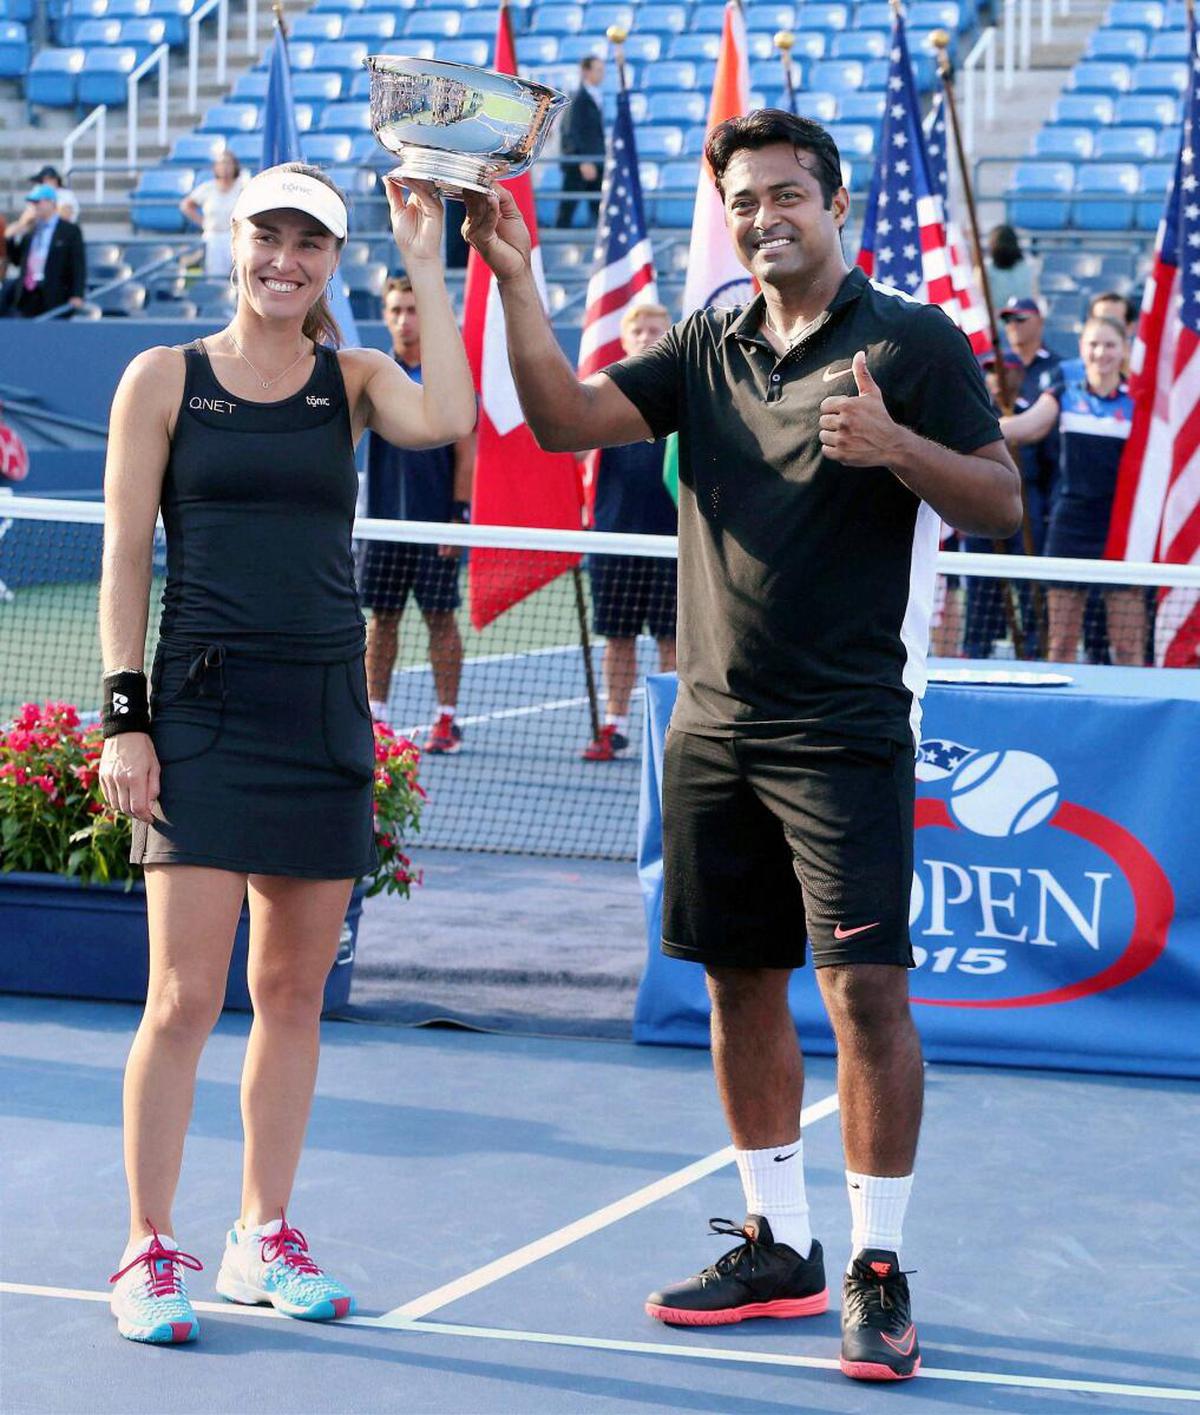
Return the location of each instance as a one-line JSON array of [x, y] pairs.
[[971, 315], [938, 758], [904, 239], [1156, 512]]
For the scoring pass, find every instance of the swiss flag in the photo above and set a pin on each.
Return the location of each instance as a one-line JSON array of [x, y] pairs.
[[516, 483]]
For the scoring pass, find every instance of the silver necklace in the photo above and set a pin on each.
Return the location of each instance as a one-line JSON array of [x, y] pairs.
[[266, 382]]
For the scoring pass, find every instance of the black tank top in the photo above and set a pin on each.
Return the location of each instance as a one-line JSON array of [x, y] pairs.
[[258, 505]]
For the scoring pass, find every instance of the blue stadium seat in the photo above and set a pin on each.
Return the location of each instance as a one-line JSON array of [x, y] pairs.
[[339, 54], [370, 28], [96, 34], [935, 14], [196, 149], [327, 149], [679, 180], [345, 118], [1128, 44], [1100, 76], [345, 7], [873, 16], [432, 24], [1147, 109], [318, 26], [232, 118], [824, 107], [247, 148], [860, 107], [1063, 140], [663, 19], [145, 35], [574, 48], [811, 43], [875, 73], [365, 150], [104, 74], [1160, 76], [301, 53], [639, 48], [708, 18], [557, 19], [773, 16], [537, 48], [598, 15], [547, 188], [856, 141], [861, 44], [768, 73], [1170, 45], [837, 75], [1175, 17], [251, 87], [823, 16], [1135, 14], [155, 200], [693, 46], [478, 24], [693, 140], [317, 87], [464, 51], [1155, 179], [359, 87], [14, 49], [660, 143], [1095, 109], [1039, 195], [676, 108], [1104, 177], [1168, 142], [19, 10], [1125, 144]]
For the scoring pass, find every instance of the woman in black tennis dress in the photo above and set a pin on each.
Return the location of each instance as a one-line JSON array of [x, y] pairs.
[[247, 761]]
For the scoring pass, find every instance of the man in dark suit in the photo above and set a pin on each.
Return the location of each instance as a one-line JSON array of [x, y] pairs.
[[583, 133], [48, 254]]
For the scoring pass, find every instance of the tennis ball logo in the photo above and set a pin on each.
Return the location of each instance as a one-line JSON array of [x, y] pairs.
[[1003, 793]]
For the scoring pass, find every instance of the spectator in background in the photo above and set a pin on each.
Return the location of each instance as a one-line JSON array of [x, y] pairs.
[[210, 206], [630, 591], [49, 255], [433, 484], [1010, 276], [583, 133], [1110, 304], [68, 202], [1094, 415]]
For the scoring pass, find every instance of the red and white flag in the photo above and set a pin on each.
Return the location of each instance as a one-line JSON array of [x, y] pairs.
[[516, 483], [1156, 511]]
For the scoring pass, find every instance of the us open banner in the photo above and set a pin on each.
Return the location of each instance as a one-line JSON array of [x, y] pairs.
[[1055, 910]]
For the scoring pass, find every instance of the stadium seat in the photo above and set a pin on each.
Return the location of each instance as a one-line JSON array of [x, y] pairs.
[[537, 48], [103, 78], [154, 202], [873, 16], [128, 9], [639, 48], [232, 118], [599, 14], [811, 43], [251, 87], [174, 15], [1160, 76], [676, 108], [824, 107], [670, 74], [679, 179], [574, 48], [316, 87], [14, 49], [822, 16], [556, 19], [859, 107], [1100, 76], [464, 51], [565, 258], [369, 28], [768, 73], [837, 75], [247, 148], [1155, 178], [318, 26], [660, 143], [1125, 144], [345, 118], [935, 14], [1062, 140], [860, 44], [1105, 177], [856, 141], [1170, 45], [1130, 45], [708, 18], [106, 261], [345, 55], [663, 19], [19, 10], [1043, 188], [432, 24], [1135, 14], [144, 34], [693, 140], [96, 33], [1168, 143], [327, 149], [1175, 17], [1147, 110], [358, 89], [196, 149], [1095, 109], [478, 24]]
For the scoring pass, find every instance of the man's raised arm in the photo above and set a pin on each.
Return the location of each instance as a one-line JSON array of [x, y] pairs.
[[564, 414]]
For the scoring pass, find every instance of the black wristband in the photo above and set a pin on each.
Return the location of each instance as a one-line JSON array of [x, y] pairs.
[[460, 511], [126, 706]]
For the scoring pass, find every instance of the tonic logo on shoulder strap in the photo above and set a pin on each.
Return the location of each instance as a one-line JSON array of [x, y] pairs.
[[211, 405]]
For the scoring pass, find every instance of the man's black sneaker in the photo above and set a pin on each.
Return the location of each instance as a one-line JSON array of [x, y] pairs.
[[879, 1340], [758, 1278]]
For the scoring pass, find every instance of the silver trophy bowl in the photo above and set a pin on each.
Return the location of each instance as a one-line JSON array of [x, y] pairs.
[[457, 126]]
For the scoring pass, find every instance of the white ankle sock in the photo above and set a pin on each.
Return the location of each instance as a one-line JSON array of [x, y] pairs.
[[877, 1207], [136, 1246], [620, 723], [379, 711], [444, 711], [773, 1183]]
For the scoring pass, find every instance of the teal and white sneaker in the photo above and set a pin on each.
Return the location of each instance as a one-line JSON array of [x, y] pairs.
[[150, 1300], [272, 1264]]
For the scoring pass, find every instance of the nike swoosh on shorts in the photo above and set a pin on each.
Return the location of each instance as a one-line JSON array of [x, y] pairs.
[[839, 932]]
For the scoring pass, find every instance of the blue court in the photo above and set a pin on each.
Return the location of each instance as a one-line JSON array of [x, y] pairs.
[[503, 1204]]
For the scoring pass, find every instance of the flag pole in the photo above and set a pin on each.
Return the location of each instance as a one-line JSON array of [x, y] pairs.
[[784, 40], [277, 11]]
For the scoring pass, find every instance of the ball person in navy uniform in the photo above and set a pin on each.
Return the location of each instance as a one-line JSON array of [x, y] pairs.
[[247, 759], [824, 431]]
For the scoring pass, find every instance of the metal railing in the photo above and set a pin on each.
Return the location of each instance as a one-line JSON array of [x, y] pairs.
[[98, 119], [193, 58], [983, 51], [160, 60]]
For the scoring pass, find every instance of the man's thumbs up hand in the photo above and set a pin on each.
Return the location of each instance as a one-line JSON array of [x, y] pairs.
[[858, 432]]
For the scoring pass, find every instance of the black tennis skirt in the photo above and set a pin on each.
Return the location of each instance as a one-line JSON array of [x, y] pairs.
[[268, 760]]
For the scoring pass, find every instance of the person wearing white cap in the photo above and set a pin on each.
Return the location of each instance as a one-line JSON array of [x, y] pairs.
[[247, 762]]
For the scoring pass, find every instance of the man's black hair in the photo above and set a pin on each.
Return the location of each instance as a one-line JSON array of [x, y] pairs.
[[771, 125]]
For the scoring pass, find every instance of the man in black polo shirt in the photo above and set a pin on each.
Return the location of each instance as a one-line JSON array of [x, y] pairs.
[[823, 432]]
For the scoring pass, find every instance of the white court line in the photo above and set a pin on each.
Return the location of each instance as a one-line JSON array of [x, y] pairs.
[[583, 1227], [473, 659], [658, 1348], [528, 711]]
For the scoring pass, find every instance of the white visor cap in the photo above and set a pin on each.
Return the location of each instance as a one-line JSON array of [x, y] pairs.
[[274, 190]]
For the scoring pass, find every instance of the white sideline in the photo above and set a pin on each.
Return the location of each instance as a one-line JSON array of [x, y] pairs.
[[1014, 1379], [583, 1227]]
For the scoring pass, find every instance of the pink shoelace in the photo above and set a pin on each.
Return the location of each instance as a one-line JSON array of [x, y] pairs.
[[160, 1263], [290, 1245]]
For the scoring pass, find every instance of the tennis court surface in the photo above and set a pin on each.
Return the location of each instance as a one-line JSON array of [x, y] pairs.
[[503, 1204]]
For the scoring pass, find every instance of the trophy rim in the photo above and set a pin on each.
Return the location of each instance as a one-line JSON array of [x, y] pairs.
[[383, 64]]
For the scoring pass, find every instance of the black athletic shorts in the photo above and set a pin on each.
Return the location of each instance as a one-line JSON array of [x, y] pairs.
[[769, 839], [629, 591], [392, 570]]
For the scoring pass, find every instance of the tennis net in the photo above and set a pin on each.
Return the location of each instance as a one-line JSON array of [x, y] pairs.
[[536, 680]]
